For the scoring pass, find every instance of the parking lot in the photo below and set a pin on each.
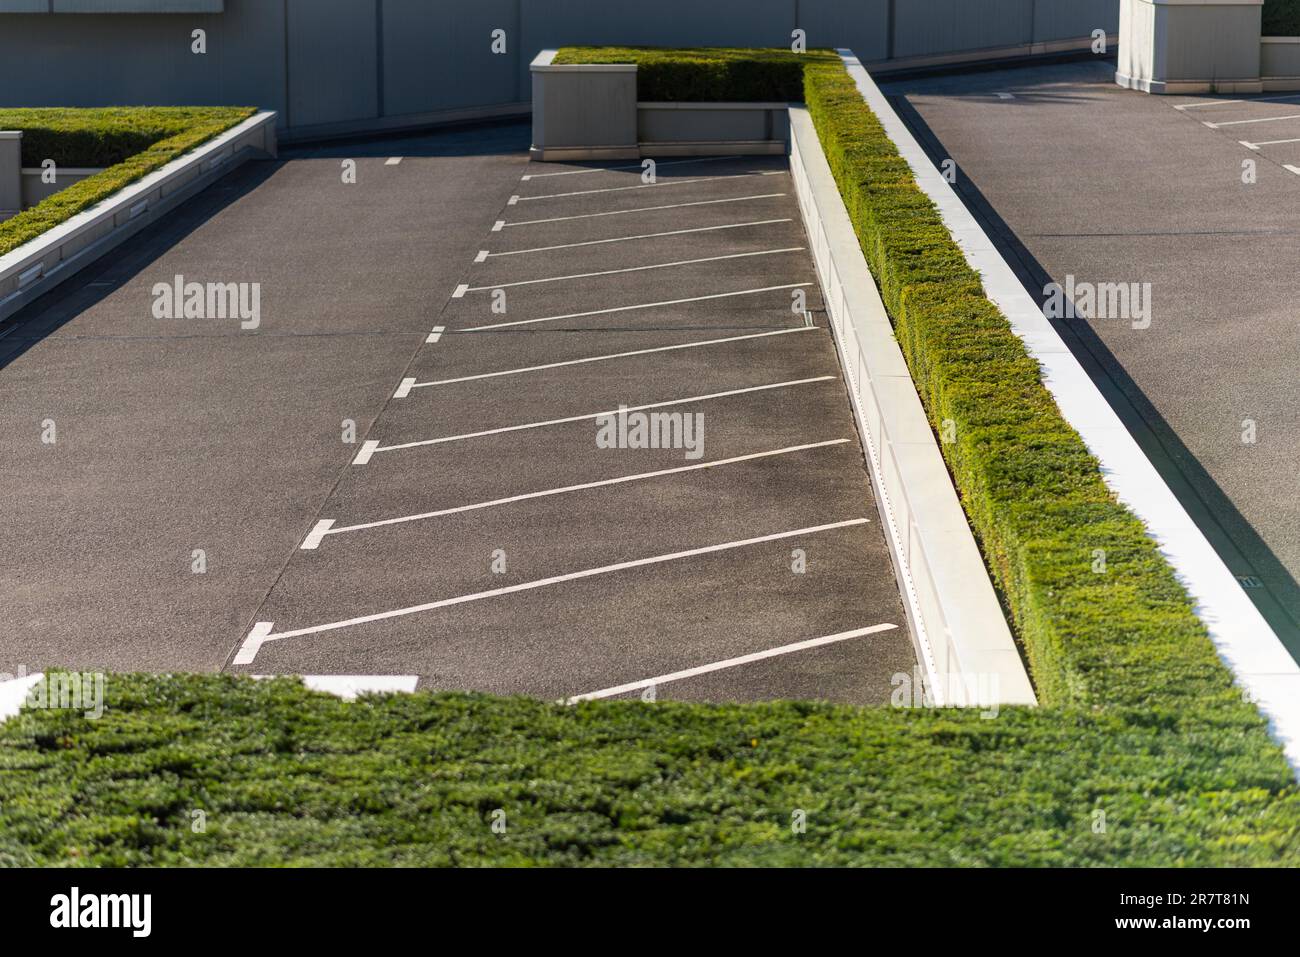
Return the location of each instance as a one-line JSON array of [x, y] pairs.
[[1195, 198], [485, 536]]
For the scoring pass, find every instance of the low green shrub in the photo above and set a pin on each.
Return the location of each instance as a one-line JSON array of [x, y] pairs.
[[131, 141]]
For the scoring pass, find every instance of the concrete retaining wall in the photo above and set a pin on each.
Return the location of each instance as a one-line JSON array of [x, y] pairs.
[[339, 66], [35, 268], [957, 625], [11, 173]]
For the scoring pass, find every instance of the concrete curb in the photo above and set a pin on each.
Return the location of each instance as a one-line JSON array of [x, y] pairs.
[[35, 268], [960, 633], [1267, 673]]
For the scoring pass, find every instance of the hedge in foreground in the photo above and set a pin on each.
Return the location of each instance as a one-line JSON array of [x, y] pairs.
[[131, 141], [285, 776]]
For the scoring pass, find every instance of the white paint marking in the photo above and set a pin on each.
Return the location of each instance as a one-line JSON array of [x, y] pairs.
[[349, 687], [14, 692], [253, 643], [1262, 119], [621, 189], [728, 663], [604, 483], [460, 290], [1258, 99], [1006, 96], [628, 239], [615, 355], [597, 415], [611, 169], [498, 225], [615, 272], [257, 638], [1294, 169], [435, 335], [645, 305], [393, 161], [1249, 146], [404, 389], [312, 541], [482, 256], [368, 450], [1256, 146], [644, 209], [513, 200]]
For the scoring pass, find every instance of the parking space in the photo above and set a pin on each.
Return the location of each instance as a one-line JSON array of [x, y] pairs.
[[1187, 203], [1268, 125], [622, 458]]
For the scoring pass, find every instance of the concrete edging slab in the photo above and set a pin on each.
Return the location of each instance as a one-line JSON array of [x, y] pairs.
[[1267, 673], [958, 628], [36, 267]]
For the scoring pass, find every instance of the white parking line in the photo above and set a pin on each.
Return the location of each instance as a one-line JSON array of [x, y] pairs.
[[393, 161], [366, 452], [1262, 119], [615, 355], [611, 169], [326, 527], [349, 687], [615, 272], [643, 209], [262, 633], [1257, 99], [621, 189], [644, 305], [1293, 169], [499, 225], [1255, 146], [404, 389], [460, 291], [435, 335], [729, 663], [482, 256], [628, 239]]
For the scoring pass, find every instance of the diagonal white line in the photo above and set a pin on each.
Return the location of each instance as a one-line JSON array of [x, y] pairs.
[[621, 189], [1257, 99], [614, 272], [728, 663], [1272, 142], [628, 239], [611, 169], [644, 209], [1262, 119], [644, 305], [313, 539], [261, 632], [597, 415], [616, 355]]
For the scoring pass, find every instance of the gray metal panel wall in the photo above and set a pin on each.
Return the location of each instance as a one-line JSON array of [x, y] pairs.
[[930, 27], [1067, 19], [333, 61], [862, 26], [333, 68], [130, 59], [438, 56]]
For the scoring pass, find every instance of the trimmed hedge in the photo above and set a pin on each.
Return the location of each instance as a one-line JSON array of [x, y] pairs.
[[131, 141], [289, 777], [720, 74], [1281, 18]]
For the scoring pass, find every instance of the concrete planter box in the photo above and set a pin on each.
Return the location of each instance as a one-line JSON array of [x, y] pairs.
[[35, 268], [583, 111], [1280, 63], [1190, 46], [590, 112], [11, 173]]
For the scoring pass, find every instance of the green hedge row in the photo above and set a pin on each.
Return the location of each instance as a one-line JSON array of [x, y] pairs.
[[717, 74], [1282, 18], [131, 141]]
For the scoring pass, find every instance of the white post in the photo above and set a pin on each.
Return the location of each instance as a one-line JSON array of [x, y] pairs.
[[1190, 46]]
